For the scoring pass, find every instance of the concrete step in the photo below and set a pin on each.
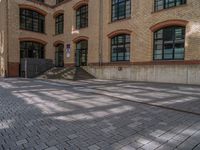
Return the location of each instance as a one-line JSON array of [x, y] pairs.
[[72, 73]]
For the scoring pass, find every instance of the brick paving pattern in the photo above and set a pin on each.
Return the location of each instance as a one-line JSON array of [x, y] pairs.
[[95, 114]]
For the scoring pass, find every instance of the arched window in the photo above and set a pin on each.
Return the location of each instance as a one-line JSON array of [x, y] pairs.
[[32, 20], [121, 9], [59, 23], [82, 17], [163, 4], [29, 49], [169, 43], [120, 48]]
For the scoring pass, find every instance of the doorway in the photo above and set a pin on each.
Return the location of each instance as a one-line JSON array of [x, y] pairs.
[[59, 56], [81, 53]]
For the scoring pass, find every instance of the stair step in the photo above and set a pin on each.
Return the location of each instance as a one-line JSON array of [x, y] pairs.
[[72, 73]]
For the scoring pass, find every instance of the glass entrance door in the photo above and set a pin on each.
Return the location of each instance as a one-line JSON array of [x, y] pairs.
[[59, 56], [81, 53]]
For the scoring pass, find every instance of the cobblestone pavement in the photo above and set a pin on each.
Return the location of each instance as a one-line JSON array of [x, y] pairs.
[[98, 114]]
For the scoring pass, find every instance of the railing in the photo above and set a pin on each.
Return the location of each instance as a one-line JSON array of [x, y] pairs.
[[32, 67]]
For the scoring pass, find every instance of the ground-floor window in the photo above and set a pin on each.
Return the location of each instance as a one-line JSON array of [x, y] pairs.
[[30, 49], [169, 43], [120, 48]]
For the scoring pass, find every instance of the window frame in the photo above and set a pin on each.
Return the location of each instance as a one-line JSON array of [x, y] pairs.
[[125, 9], [124, 46], [39, 47], [36, 20], [82, 22], [59, 22], [174, 43], [165, 4]]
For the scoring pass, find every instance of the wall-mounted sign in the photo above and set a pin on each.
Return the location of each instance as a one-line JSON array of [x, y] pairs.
[[68, 50]]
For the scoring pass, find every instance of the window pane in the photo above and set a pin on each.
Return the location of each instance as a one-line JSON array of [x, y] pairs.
[[120, 48], [173, 39]]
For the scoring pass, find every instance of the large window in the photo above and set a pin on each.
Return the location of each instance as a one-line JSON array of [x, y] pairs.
[[120, 48], [121, 9], [59, 24], [169, 43], [82, 17], [163, 4], [32, 20], [30, 49]]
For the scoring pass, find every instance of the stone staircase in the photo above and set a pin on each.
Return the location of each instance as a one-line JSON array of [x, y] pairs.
[[73, 73]]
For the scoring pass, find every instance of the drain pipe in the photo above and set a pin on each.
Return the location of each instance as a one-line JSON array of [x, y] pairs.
[[7, 42], [100, 32]]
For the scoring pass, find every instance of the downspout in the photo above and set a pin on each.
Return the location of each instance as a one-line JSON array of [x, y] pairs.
[[100, 32], [7, 32]]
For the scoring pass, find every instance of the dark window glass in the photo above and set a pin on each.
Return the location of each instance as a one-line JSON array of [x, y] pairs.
[[163, 4], [59, 1], [30, 49], [82, 17], [121, 9], [169, 43], [120, 48], [59, 24], [32, 21]]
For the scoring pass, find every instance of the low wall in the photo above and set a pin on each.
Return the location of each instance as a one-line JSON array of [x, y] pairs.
[[185, 74]]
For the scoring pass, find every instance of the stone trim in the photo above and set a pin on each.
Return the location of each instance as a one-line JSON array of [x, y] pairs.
[[80, 3], [77, 39], [120, 31], [56, 43], [184, 62], [25, 6], [59, 12], [33, 40], [176, 22]]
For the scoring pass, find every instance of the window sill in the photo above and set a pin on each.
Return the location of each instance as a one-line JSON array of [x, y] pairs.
[[33, 31], [58, 34], [170, 8], [81, 28], [120, 20]]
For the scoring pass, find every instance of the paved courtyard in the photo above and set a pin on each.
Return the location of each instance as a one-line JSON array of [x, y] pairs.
[[98, 114]]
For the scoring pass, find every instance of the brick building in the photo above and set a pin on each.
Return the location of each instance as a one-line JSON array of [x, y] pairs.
[[139, 40]]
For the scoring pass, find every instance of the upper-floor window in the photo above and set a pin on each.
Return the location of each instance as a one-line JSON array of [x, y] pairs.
[[169, 43], [82, 17], [32, 20], [59, 1], [59, 24], [163, 4], [120, 48], [121, 9]]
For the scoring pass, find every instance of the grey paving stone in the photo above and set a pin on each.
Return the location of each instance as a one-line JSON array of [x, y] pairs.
[[93, 147], [40, 115], [24, 141], [52, 148]]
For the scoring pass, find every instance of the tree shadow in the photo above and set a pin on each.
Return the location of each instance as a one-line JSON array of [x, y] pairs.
[[36, 115]]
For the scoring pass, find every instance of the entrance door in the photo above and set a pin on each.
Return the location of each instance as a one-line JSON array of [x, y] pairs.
[[81, 53], [59, 56]]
